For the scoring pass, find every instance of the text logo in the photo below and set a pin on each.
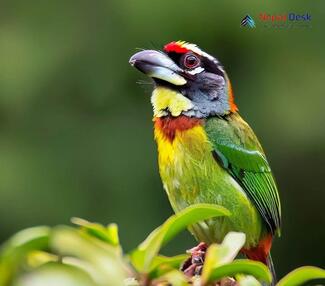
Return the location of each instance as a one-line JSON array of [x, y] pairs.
[[265, 17], [248, 21], [289, 20]]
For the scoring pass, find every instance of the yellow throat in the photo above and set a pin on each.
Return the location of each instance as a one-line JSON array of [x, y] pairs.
[[163, 99]]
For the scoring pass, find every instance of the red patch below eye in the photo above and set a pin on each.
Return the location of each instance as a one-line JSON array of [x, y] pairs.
[[175, 47]]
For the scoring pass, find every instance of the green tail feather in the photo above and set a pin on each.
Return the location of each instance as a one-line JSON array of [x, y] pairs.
[[270, 265]]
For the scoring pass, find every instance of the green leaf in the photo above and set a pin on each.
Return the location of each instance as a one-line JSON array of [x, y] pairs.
[[219, 254], [302, 275], [53, 274], [131, 282], [98, 259], [14, 251], [36, 258], [173, 277], [108, 234], [247, 280], [241, 266], [162, 264], [142, 257]]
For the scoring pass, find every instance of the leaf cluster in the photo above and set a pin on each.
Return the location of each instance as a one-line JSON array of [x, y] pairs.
[[90, 254]]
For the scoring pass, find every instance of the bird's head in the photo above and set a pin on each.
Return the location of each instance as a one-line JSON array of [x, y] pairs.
[[188, 81]]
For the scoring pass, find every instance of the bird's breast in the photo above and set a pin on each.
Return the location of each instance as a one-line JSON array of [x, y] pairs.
[[179, 138], [184, 156], [191, 175], [168, 127]]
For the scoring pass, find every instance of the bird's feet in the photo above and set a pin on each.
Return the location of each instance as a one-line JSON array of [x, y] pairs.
[[193, 265]]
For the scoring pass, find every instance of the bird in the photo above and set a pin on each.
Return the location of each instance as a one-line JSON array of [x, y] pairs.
[[207, 153]]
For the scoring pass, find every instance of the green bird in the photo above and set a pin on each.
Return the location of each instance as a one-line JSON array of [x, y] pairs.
[[206, 152]]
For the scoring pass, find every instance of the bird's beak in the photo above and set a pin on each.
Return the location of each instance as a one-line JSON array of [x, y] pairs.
[[157, 65]]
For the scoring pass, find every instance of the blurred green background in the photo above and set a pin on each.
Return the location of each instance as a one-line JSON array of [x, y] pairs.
[[75, 127]]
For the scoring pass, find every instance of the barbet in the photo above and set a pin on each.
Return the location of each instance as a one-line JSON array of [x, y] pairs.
[[206, 152]]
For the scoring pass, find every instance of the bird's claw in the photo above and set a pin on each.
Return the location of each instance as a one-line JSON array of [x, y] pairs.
[[193, 265]]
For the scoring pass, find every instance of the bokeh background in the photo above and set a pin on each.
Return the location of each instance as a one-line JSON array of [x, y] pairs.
[[75, 127]]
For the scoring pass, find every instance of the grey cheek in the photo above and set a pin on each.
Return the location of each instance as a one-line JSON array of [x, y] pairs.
[[214, 95], [212, 80], [221, 81], [209, 97], [190, 113]]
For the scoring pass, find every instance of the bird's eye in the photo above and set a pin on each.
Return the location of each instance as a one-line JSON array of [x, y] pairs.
[[191, 61]]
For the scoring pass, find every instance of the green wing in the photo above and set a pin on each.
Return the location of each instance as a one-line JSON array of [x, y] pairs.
[[237, 149]]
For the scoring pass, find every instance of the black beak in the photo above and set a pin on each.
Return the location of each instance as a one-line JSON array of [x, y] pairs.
[[157, 65]]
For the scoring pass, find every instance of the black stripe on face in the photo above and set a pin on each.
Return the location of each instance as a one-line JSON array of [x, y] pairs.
[[176, 57], [212, 66], [208, 64]]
